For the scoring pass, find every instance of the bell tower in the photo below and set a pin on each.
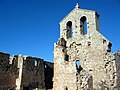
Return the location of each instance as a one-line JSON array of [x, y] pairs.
[[78, 23]]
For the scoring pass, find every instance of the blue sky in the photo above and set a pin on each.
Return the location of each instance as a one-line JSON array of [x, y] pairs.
[[31, 27]]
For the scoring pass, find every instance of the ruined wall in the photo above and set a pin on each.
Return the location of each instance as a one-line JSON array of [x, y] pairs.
[[97, 69], [4, 58], [33, 73], [24, 73], [48, 69], [8, 73], [36, 73], [67, 75], [64, 71], [117, 73]]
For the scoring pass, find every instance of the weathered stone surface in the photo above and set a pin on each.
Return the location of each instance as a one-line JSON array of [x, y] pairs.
[[82, 60], [99, 67], [24, 73]]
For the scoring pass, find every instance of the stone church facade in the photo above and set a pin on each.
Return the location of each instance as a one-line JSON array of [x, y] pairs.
[[83, 59]]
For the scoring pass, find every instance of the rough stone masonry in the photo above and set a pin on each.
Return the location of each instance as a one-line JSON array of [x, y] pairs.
[[82, 56], [24, 73], [82, 60]]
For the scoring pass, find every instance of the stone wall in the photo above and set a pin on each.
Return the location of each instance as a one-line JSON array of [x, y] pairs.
[[24, 72], [8, 73], [33, 73], [4, 58], [117, 73], [98, 68], [48, 66]]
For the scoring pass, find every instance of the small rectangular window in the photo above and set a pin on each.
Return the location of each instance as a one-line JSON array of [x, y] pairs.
[[35, 62]]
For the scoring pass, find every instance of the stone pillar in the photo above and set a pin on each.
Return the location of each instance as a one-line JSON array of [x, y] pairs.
[[20, 68]]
